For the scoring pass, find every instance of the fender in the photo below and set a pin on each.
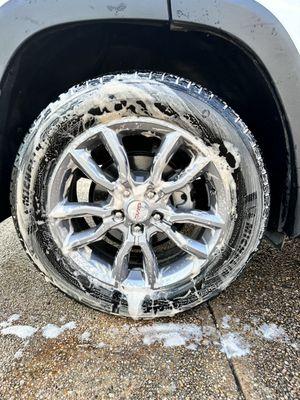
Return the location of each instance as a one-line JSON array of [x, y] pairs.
[[287, 12], [259, 31]]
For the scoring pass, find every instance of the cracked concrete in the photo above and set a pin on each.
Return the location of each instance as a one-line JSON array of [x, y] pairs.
[[242, 345]]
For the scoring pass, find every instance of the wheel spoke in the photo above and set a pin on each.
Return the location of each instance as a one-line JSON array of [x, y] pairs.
[[120, 265], [77, 210], [88, 165], [118, 153], [139, 199], [185, 243], [168, 147], [149, 262], [206, 219], [91, 235], [188, 175]]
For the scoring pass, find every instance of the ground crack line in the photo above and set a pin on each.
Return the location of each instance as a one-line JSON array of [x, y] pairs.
[[230, 363]]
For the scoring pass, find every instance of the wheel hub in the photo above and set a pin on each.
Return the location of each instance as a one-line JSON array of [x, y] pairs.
[[138, 211], [141, 204]]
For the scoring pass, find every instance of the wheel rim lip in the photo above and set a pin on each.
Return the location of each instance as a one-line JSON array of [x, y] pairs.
[[180, 271]]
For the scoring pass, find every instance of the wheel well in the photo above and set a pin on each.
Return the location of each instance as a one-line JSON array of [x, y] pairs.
[[55, 59]]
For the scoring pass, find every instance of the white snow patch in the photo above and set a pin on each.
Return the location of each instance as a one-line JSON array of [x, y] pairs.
[[233, 345], [21, 331], [52, 331]]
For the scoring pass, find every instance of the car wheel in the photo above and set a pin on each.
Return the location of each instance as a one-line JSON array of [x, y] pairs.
[[140, 194]]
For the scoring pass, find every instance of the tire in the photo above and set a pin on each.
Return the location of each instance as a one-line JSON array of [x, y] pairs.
[[145, 109]]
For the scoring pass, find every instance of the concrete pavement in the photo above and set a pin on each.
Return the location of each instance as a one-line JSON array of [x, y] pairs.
[[242, 345]]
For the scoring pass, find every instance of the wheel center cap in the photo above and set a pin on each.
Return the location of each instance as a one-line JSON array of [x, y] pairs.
[[138, 211]]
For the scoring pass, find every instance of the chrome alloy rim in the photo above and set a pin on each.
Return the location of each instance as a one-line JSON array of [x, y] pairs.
[[105, 190]]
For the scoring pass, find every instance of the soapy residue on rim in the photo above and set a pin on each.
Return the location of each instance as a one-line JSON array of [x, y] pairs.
[[102, 98], [135, 299], [233, 150]]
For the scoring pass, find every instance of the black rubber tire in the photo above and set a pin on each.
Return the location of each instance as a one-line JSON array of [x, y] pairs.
[[161, 96]]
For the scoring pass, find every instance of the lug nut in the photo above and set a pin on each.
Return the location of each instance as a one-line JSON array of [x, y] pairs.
[[119, 216], [150, 195], [137, 229], [126, 193], [157, 217]]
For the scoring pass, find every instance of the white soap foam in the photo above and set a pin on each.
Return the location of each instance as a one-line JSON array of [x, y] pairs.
[[52, 331], [21, 331], [85, 336], [234, 345], [10, 320], [271, 331], [100, 345], [18, 354], [225, 321], [171, 334]]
